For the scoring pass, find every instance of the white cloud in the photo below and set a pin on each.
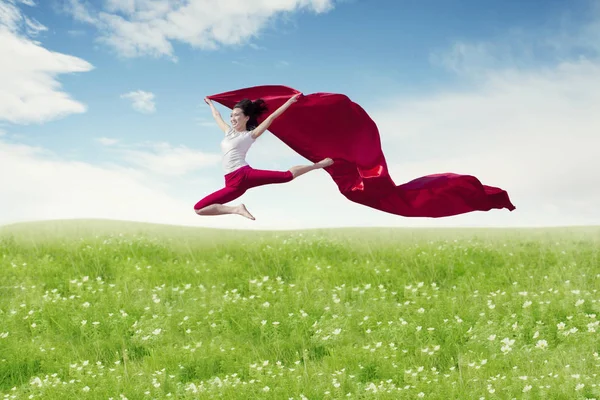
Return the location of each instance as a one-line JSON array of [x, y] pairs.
[[148, 27], [107, 141], [34, 27], [141, 101], [165, 159], [79, 11], [559, 40], [10, 16], [42, 186], [29, 89]]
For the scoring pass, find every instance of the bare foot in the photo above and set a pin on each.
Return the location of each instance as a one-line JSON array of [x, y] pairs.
[[324, 163], [243, 211]]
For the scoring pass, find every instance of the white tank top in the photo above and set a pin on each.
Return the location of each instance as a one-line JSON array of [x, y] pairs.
[[235, 145]]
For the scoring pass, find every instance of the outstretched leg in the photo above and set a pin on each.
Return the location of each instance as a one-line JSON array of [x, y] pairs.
[[213, 204], [260, 177], [302, 169]]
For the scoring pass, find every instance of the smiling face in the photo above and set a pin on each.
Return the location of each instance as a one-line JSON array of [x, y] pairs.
[[238, 119]]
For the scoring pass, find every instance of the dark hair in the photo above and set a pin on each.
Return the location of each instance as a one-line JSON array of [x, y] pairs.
[[252, 109]]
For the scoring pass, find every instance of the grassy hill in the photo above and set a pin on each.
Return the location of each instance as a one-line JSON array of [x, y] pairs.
[[101, 309]]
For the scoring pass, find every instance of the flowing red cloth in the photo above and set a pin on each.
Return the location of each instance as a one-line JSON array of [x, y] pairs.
[[321, 125]]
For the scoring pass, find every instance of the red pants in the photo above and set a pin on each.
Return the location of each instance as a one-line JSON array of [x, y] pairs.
[[240, 180]]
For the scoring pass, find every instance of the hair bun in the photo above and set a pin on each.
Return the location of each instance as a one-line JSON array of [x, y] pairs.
[[258, 107]]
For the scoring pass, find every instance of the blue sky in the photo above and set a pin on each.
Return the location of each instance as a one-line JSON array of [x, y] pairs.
[[432, 74]]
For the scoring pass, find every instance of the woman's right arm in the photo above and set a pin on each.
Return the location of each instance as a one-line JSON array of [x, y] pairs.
[[224, 127]]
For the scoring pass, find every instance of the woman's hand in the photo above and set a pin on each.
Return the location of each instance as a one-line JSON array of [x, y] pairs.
[[294, 98]]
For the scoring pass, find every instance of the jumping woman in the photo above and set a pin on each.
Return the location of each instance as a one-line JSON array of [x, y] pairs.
[[239, 175]]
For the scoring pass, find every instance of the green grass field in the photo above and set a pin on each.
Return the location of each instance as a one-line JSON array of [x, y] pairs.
[[101, 310]]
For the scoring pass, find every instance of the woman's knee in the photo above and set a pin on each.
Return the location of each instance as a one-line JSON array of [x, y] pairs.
[[198, 207], [213, 198], [222, 196]]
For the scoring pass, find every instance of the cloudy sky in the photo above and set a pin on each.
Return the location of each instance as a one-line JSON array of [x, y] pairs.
[[102, 112]]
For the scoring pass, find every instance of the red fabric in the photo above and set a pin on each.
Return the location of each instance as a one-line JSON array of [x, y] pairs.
[[240, 180], [321, 125]]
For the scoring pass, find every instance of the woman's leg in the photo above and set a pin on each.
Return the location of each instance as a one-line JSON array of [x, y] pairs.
[[260, 177], [213, 204], [302, 169]]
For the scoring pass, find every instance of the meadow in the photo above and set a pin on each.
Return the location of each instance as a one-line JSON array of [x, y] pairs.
[[113, 310]]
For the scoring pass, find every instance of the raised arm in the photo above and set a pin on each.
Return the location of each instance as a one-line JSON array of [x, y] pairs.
[[217, 115], [260, 129]]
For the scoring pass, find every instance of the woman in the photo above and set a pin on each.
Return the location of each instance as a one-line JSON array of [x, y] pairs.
[[239, 176]]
